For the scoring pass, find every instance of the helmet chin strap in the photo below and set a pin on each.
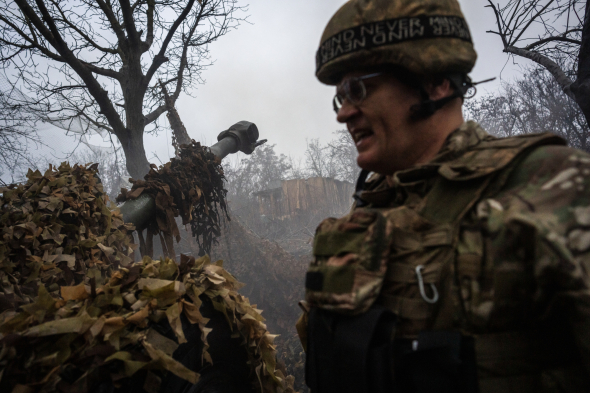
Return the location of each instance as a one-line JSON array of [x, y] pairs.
[[461, 84], [428, 107], [425, 109]]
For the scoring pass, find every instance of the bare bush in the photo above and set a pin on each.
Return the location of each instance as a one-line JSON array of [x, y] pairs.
[[554, 34], [533, 103], [17, 133]]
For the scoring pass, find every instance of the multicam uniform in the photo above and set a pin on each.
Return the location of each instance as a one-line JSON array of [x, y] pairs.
[[469, 273], [500, 231]]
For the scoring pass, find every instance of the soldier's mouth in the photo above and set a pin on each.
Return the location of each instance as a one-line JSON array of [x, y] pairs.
[[360, 135]]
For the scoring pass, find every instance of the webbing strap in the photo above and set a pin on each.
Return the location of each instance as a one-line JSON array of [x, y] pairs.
[[469, 265], [399, 272], [405, 307]]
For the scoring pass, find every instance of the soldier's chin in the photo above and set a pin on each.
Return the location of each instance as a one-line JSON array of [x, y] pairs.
[[366, 162]]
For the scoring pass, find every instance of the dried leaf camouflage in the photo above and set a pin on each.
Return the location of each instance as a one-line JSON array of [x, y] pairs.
[[76, 309], [189, 186], [56, 228]]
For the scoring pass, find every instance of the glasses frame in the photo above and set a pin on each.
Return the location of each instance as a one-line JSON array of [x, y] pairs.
[[338, 99]]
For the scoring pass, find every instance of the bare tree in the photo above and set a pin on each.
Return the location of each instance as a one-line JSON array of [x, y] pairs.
[[17, 132], [545, 31], [319, 161], [100, 60], [337, 159], [533, 103], [259, 171], [344, 154]]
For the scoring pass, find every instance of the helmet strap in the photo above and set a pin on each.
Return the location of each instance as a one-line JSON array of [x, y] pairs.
[[461, 83]]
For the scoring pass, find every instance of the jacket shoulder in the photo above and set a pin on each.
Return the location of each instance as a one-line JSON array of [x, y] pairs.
[[493, 154], [546, 162]]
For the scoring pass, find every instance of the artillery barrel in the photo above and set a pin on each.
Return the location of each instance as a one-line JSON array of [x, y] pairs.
[[242, 136]]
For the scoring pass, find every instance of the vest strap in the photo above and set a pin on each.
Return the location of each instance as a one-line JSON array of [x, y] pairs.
[[404, 307], [397, 272], [469, 265]]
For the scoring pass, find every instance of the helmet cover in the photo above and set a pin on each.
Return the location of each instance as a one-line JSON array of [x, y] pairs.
[[426, 37]]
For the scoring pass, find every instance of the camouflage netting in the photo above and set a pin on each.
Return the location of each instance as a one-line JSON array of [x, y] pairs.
[[76, 309], [56, 230], [191, 187], [279, 286], [68, 343]]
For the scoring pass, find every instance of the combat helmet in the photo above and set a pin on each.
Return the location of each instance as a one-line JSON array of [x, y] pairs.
[[425, 37]]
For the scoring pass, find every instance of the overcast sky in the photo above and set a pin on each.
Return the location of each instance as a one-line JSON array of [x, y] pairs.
[[264, 73]]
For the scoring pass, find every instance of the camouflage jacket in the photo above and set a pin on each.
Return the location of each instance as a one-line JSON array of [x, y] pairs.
[[501, 231]]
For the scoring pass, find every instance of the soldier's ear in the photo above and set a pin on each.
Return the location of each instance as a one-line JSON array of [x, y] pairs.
[[438, 89]]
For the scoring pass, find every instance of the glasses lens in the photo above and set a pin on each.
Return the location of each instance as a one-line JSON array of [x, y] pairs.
[[356, 90], [337, 103]]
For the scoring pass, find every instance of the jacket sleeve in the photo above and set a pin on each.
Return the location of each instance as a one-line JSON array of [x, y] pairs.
[[539, 238]]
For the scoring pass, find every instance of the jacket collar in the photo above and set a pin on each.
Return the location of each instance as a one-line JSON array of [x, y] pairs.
[[382, 190]]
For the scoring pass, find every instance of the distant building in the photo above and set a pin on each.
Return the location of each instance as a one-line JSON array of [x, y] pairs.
[[289, 198]]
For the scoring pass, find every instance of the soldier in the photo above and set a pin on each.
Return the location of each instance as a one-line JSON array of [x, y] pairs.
[[464, 264]]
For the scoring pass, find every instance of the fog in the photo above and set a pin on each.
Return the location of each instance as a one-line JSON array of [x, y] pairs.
[[264, 72]]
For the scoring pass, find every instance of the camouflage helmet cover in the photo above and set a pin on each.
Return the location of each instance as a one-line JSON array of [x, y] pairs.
[[424, 36]]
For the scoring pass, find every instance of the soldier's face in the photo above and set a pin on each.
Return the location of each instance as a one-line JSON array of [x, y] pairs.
[[386, 137]]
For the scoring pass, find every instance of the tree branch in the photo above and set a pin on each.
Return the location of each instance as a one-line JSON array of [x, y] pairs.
[[153, 116], [83, 34], [581, 88], [550, 39], [183, 58], [102, 71], [129, 22], [561, 77], [149, 39], [35, 44], [502, 36], [114, 22], [530, 22], [53, 36], [160, 58]]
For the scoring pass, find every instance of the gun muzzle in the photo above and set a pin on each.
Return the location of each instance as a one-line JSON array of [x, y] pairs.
[[242, 136]]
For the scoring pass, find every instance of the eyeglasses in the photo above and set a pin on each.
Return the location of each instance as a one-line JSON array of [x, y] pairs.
[[351, 89]]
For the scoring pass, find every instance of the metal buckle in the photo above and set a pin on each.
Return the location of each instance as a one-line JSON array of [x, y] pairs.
[[434, 298]]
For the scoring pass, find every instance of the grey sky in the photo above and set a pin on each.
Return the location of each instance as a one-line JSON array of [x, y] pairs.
[[264, 73]]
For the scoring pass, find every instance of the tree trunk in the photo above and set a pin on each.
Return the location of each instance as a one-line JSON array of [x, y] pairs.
[[179, 133], [581, 87], [137, 163], [134, 87]]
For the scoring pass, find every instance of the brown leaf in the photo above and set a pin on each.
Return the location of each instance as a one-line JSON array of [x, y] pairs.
[[170, 364], [22, 389], [77, 292], [173, 314], [160, 342], [140, 317], [135, 193]]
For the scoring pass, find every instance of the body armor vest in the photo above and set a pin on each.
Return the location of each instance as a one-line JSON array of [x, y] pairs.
[[407, 251]]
